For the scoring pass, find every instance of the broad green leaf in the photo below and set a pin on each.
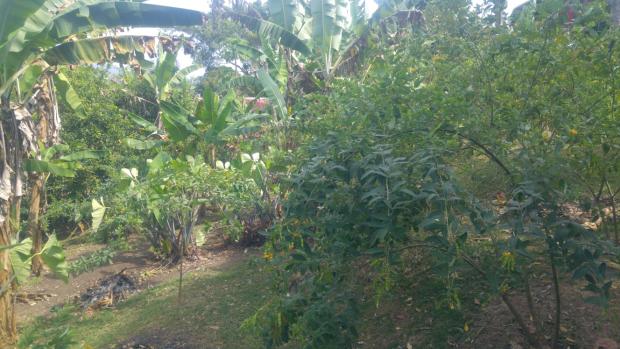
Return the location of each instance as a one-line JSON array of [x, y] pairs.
[[147, 125], [98, 210], [98, 50], [274, 31], [246, 81], [289, 14], [271, 89], [57, 168], [142, 144], [159, 161], [29, 78], [53, 256], [122, 14], [207, 110], [176, 121], [80, 155], [20, 257], [164, 71], [179, 76], [66, 91], [330, 18]]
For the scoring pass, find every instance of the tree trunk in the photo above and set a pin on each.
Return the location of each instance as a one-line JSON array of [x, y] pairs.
[[33, 222], [8, 330], [212, 155], [47, 133]]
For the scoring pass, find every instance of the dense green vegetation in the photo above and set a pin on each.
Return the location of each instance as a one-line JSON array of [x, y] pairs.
[[432, 158]]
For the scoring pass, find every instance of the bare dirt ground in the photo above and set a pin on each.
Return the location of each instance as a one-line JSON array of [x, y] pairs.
[[583, 325], [49, 291]]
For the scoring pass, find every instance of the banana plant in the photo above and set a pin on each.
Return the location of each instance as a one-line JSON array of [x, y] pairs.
[[326, 33], [40, 166], [164, 75], [210, 124], [36, 36]]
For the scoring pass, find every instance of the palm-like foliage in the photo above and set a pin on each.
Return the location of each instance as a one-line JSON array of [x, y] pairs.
[[326, 32]]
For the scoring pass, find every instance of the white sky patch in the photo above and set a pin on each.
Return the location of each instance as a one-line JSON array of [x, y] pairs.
[[198, 5], [510, 6]]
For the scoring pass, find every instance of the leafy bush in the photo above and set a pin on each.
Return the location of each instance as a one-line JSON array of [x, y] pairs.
[[96, 259]]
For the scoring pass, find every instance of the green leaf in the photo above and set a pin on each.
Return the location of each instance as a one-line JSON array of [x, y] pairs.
[[289, 14], [54, 167], [207, 110], [98, 50], [179, 77], [176, 121], [145, 124], [80, 155], [164, 71], [271, 89], [330, 18], [53, 256], [29, 78], [246, 81], [142, 144], [98, 210], [20, 258], [122, 14], [159, 161], [66, 91], [273, 31]]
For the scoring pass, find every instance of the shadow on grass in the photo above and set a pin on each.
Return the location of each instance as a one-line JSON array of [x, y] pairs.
[[212, 306]]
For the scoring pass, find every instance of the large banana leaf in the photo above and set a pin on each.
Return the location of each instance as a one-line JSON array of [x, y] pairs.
[[179, 76], [176, 121], [330, 18], [145, 124], [245, 81], [66, 91], [122, 14], [57, 168], [271, 89], [29, 28], [289, 14], [207, 110], [274, 31], [89, 51]]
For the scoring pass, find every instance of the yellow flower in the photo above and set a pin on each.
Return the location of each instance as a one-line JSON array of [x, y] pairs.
[[572, 132], [546, 135], [268, 255], [466, 327]]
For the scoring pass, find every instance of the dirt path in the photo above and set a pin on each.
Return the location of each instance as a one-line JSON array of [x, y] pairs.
[[138, 262]]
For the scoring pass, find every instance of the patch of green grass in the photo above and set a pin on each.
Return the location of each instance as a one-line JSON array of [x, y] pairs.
[[213, 306]]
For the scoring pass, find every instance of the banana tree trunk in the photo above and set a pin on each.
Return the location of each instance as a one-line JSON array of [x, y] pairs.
[[34, 226], [47, 132], [8, 330], [212, 155]]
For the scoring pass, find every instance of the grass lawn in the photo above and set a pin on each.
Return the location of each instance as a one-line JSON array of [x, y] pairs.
[[214, 304]]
